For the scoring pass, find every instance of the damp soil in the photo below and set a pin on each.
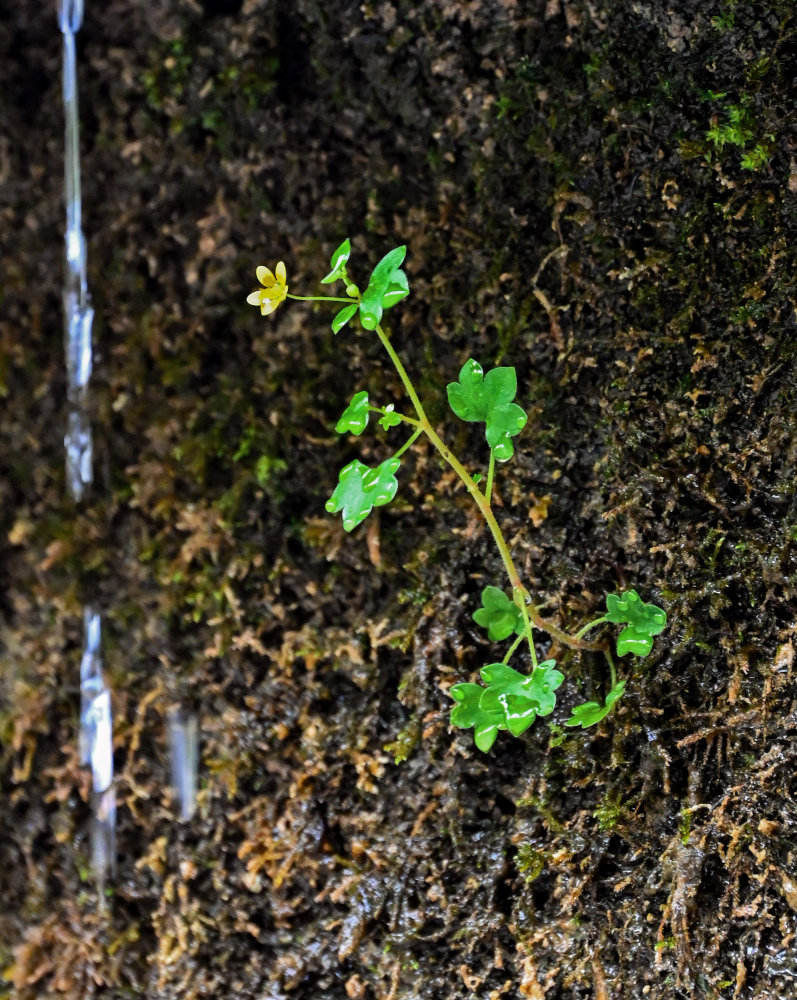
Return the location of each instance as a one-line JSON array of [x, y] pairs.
[[602, 194]]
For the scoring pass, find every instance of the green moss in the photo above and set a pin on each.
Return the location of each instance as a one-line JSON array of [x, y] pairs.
[[405, 742], [530, 862], [685, 826], [609, 811]]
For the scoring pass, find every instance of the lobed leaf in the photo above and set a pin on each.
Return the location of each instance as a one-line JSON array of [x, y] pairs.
[[489, 398], [354, 418], [499, 615], [592, 712], [643, 621], [389, 418], [511, 701], [361, 488]]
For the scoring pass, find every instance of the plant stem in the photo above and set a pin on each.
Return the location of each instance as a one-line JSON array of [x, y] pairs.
[[512, 648], [520, 602], [588, 626], [318, 298], [609, 657], [409, 443], [490, 472], [530, 614]]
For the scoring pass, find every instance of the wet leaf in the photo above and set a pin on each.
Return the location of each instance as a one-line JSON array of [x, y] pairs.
[[468, 713], [398, 289], [538, 687], [354, 418], [389, 419], [511, 701], [592, 712], [338, 262], [387, 282], [643, 621], [499, 615], [361, 488], [489, 398], [342, 318]]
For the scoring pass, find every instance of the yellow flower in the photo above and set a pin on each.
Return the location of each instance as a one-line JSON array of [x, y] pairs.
[[274, 289]]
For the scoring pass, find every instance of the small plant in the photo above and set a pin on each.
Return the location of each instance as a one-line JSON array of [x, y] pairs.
[[508, 699]]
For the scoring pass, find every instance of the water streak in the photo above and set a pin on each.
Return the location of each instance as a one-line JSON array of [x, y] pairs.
[[96, 745], [183, 748], [78, 314], [96, 723]]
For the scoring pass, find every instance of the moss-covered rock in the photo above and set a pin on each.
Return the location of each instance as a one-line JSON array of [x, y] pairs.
[[600, 194]]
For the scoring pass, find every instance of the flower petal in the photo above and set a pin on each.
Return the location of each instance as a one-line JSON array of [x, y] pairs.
[[267, 306], [254, 298], [280, 272], [265, 277]]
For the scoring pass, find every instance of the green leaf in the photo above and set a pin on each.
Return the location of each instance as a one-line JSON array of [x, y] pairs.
[[643, 622], [511, 701], [354, 418], [592, 712], [398, 289], [389, 419], [489, 398], [343, 317], [485, 732], [545, 679], [466, 712], [386, 280], [508, 687], [338, 263], [499, 615], [361, 488]]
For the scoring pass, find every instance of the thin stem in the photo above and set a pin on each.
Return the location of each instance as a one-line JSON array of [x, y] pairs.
[[530, 614], [608, 656], [402, 374], [455, 464], [520, 602], [512, 648], [588, 626], [490, 472], [319, 298], [409, 443]]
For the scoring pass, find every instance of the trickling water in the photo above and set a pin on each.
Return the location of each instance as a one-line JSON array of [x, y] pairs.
[[96, 729], [95, 708], [96, 745], [78, 314], [183, 748]]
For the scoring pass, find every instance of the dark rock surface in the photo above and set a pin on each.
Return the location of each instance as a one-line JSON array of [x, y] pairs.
[[602, 194]]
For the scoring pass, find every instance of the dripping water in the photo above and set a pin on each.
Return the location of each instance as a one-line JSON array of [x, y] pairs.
[[96, 728]]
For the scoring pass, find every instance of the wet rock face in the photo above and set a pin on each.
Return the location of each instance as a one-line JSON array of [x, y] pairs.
[[601, 195]]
